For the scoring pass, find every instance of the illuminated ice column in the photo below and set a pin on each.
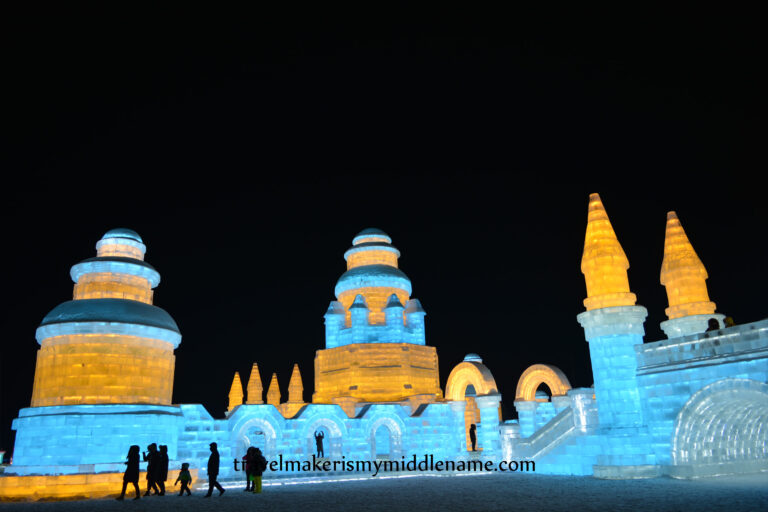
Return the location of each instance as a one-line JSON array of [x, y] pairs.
[[255, 387], [612, 324], [393, 312], [684, 276], [273, 393], [295, 394], [359, 315], [334, 322], [235, 392], [488, 435]]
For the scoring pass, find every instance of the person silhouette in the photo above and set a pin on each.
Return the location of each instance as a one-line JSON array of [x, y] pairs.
[[162, 468], [131, 474], [319, 436], [248, 467], [213, 471], [728, 321], [258, 466], [713, 325], [185, 477], [473, 435], [152, 458]]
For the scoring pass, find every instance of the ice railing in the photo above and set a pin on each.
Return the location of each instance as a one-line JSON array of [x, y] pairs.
[[549, 436], [723, 342]]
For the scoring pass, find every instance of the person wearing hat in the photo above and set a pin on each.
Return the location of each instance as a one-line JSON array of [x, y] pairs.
[[213, 471]]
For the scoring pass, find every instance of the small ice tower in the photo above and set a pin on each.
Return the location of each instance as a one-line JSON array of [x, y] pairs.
[[684, 277], [374, 332]]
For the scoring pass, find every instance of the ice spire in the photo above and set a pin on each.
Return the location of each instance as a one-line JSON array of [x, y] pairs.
[[235, 392], [255, 387], [273, 393], [683, 274], [295, 386], [604, 263]]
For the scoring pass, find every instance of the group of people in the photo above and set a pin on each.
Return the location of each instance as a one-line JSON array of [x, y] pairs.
[[157, 470], [254, 464]]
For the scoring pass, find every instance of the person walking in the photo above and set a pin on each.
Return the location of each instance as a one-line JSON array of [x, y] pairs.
[[185, 477], [213, 471], [162, 468], [151, 457], [131, 474]]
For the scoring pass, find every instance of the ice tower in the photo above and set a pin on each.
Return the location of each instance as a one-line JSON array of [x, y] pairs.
[[374, 332], [104, 374], [684, 277]]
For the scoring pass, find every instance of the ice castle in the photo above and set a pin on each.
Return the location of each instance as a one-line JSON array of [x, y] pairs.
[[695, 404]]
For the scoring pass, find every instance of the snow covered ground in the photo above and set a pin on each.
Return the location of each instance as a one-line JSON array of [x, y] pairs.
[[514, 491]]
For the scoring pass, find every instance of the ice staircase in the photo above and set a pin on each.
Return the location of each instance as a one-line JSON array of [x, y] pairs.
[[559, 447]]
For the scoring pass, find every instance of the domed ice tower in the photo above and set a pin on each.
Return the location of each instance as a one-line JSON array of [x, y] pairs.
[[109, 344], [374, 337], [104, 373]]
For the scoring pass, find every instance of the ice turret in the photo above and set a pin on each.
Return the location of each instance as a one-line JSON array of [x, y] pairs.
[[255, 387], [273, 393], [235, 392], [359, 313], [604, 263], [334, 322], [684, 277], [393, 312], [612, 324]]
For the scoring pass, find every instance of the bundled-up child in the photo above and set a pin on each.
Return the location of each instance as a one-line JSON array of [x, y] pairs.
[[185, 477]]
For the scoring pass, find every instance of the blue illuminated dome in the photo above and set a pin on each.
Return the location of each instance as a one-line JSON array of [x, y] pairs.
[[123, 233], [371, 233]]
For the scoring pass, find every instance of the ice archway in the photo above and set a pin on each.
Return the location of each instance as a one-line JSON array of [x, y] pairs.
[[538, 374], [721, 424]]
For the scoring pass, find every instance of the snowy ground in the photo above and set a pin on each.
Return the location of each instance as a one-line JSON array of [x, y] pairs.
[[522, 492]]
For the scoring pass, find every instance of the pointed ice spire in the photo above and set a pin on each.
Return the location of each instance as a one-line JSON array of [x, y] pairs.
[[604, 263], [273, 393], [235, 392], [683, 274], [295, 386], [255, 387]]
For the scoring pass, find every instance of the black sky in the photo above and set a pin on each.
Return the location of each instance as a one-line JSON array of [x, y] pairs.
[[248, 151]]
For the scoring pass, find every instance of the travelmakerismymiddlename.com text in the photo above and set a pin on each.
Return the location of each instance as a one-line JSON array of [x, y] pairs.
[[425, 464]]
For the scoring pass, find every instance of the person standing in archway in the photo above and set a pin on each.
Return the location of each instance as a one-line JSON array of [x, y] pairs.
[[319, 442], [473, 436]]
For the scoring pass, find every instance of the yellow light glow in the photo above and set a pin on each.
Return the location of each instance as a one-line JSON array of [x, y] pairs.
[[106, 285], [96, 485], [371, 257], [604, 263], [103, 369], [235, 392], [255, 387], [376, 297], [538, 374], [120, 250], [376, 372], [273, 393], [683, 274]]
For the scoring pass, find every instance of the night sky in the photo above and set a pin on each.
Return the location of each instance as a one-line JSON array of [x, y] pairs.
[[248, 151]]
